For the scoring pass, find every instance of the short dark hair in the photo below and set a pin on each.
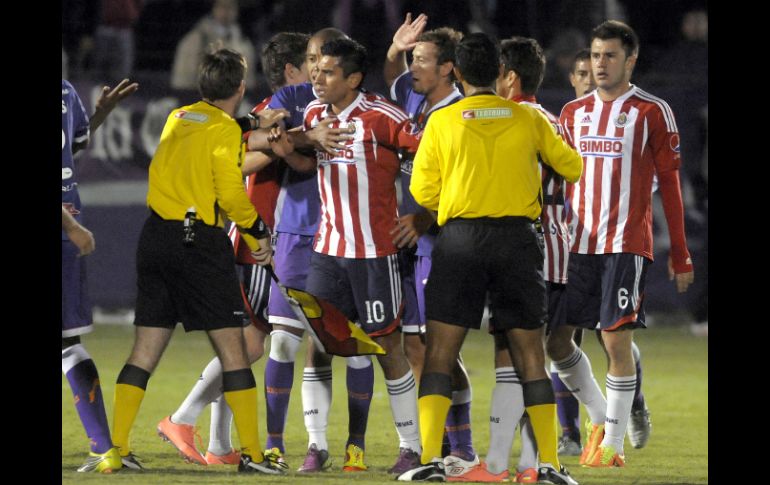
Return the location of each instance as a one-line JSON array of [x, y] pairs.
[[614, 29], [220, 74], [581, 55], [525, 57], [330, 33], [478, 59], [445, 40], [282, 48], [351, 54]]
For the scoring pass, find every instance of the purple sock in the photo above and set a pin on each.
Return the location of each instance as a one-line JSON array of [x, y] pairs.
[[360, 389], [638, 395], [458, 429], [567, 408], [279, 379], [84, 382]]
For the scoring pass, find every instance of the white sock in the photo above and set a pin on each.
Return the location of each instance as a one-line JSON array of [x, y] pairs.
[[316, 401], [620, 397], [72, 356], [506, 410], [635, 351], [284, 346], [528, 458], [358, 361], [206, 390], [219, 433], [575, 371], [403, 405]]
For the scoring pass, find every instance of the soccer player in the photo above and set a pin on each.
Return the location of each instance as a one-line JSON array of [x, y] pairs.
[[427, 85], [78, 241], [580, 78], [299, 217], [185, 264], [470, 156], [626, 137], [354, 265], [283, 64]]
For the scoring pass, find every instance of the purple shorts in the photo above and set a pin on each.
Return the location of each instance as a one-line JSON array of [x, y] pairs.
[[292, 264], [75, 305], [412, 321]]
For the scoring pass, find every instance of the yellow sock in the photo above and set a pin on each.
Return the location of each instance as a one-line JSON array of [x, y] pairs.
[[128, 398], [243, 403], [543, 418], [433, 410]]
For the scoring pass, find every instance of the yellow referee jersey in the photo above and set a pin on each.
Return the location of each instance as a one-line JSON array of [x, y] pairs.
[[478, 158], [197, 164]]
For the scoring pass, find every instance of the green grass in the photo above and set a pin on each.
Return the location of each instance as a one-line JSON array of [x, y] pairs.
[[675, 385]]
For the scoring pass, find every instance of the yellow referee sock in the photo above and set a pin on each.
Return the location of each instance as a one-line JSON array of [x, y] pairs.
[[540, 404], [433, 407], [129, 393], [243, 403]]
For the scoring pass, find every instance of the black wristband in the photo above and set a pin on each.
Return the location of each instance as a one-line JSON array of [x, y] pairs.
[[245, 122], [259, 229]]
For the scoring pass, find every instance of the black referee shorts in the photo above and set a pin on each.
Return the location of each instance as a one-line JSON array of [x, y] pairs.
[[497, 255], [194, 284]]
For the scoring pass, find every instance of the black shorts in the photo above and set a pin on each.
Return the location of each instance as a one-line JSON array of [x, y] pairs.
[[497, 255], [367, 291], [606, 291], [194, 284], [557, 304]]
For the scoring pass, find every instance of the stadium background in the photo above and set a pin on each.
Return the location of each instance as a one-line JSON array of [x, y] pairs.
[[113, 170]]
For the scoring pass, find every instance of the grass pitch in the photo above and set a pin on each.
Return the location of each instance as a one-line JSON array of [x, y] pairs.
[[675, 385]]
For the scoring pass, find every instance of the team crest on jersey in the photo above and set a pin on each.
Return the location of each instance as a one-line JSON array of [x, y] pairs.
[[351, 127], [190, 116], [621, 120]]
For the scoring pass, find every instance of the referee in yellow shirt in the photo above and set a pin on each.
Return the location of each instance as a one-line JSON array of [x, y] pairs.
[[185, 263], [477, 166]]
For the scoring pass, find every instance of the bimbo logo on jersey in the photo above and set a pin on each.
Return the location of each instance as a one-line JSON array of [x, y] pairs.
[[601, 146]]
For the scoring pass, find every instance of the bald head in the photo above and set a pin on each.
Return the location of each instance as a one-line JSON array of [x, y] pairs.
[[313, 53]]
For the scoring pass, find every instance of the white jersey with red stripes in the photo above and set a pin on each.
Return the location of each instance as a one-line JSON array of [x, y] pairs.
[[554, 217], [357, 186], [623, 142]]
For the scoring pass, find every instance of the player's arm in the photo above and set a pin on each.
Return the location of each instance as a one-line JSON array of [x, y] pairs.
[[108, 99], [77, 233], [404, 40], [282, 144]]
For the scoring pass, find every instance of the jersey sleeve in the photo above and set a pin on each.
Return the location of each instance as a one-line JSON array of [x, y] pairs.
[[285, 98], [664, 138], [80, 129], [566, 122], [426, 174], [555, 152]]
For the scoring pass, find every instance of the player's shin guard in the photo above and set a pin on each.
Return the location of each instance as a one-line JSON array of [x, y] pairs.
[[528, 456], [316, 401], [403, 404], [240, 390], [360, 382], [83, 378], [620, 395], [219, 432], [576, 373], [129, 392], [435, 398], [505, 411], [207, 388], [567, 407], [279, 380], [540, 404]]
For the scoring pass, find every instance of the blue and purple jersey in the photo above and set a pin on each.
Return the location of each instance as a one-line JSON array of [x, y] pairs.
[[299, 202], [74, 130], [413, 104]]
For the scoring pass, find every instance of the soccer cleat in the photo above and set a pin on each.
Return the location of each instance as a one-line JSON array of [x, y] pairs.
[[275, 456], [433, 471], [606, 457], [530, 475], [265, 467], [639, 427], [131, 462], [232, 458], [407, 459], [182, 437], [479, 473], [354, 459], [455, 466], [106, 462], [548, 474], [315, 461], [569, 447], [595, 435]]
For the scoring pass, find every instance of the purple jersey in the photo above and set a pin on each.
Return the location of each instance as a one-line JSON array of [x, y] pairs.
[[414, 105], [74, 130], [298, 202]]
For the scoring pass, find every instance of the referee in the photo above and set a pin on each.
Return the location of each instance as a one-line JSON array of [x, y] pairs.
[[477, 166], [185, 263]]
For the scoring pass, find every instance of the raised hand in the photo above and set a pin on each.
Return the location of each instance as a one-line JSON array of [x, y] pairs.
[[406, 36]]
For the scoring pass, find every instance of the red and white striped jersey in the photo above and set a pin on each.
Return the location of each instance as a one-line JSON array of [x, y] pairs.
[[357, 186], [554, 217], [623, 143]]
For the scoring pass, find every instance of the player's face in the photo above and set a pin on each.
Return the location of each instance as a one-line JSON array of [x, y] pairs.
[[330, 83], [424, 68], [312, 56], [581, 78], [611, 68]]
